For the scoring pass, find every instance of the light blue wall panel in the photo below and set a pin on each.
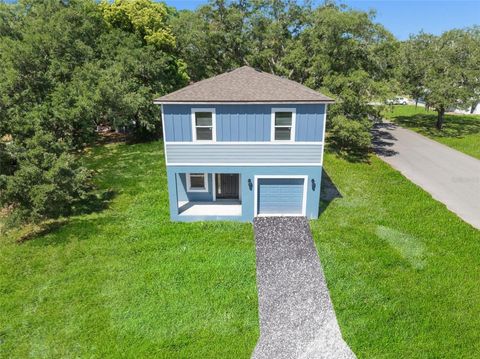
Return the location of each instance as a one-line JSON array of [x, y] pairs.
[[244, 122], [280, 196], [247, 193], [178, 122], [310, 120], [217, 153]]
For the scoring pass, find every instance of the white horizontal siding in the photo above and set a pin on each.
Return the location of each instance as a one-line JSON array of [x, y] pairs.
[[232, 154]]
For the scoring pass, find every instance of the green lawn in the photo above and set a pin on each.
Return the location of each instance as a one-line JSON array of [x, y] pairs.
[[461, 132], [125, 282], [403, 271]]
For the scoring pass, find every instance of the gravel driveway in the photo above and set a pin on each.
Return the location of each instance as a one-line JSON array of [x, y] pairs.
[[297, 319], [450, 176]]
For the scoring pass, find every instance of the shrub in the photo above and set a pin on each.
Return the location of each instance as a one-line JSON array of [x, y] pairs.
[[46, 181], [352, 137]]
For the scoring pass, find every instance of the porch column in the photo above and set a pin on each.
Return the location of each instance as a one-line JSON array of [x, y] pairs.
[[172, 192]]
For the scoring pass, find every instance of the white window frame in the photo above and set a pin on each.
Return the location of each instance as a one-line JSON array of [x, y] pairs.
[[189, 183], [255, 195], [214, 125], [293, 110]]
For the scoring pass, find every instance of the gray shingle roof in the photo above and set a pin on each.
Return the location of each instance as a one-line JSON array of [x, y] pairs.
[[245, 84]]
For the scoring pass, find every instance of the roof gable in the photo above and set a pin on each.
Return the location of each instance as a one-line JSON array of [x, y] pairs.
[[245, 84]]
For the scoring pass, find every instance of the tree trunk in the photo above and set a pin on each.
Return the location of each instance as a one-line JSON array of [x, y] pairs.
[[474, 106], [416, 102], [441, 113]]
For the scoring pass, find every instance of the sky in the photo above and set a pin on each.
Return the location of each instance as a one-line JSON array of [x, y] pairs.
[[402, 17]]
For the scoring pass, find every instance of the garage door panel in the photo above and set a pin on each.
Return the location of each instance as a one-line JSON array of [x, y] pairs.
[[283, 196]]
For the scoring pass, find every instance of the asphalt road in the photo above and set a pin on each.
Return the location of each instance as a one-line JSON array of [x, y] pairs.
[[450, 176]]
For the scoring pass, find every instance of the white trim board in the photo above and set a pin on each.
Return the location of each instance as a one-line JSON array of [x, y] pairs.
[[189, 184], [163, 134], [194, 127], [255, 195], [214, 187], [245, 103], [246, 143], [324, 128], [293, 110], [247, 164]]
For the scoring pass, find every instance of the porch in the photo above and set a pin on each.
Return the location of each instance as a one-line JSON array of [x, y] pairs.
[[217, 208], [206, 194]]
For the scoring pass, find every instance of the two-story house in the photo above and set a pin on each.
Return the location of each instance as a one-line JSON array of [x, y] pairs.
[[243, 144]]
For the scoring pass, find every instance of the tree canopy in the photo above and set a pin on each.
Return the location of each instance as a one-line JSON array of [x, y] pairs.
[[67, 67], [443, 70]]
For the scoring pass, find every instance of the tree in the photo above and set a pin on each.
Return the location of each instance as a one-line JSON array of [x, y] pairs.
[[45, 180], [273, 27], [213, 39], [66, 67], [444, 70], [473, 66], [345, 54], [145, 18], [413, 65], [138, 63]]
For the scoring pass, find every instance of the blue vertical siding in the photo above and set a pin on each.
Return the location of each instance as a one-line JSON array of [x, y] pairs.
[[178, 122], [310, 120], [244, 122]]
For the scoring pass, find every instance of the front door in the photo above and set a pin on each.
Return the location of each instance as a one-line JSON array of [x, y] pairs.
[[227, 185]]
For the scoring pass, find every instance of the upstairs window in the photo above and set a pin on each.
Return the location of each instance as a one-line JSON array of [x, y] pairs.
[[197, 182], [283, 124], [203, 124]]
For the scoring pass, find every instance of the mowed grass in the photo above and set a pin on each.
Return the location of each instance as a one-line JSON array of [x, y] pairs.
[[125, 281], [402, 270], [461, 132]]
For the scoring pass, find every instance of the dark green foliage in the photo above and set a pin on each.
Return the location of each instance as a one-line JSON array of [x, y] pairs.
[[443, 70], [348, 56], [213, 39], [66, 68], [352, 137], [46, 182]]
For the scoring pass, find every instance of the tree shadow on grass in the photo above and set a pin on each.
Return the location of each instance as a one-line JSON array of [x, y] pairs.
[[454, 126], [350, 155], [119, 168], [76, 228], [328, 192], [35, 231], [94, 203]]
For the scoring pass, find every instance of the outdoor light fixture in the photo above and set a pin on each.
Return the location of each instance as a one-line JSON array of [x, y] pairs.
[[313, 184], [250, 184]]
